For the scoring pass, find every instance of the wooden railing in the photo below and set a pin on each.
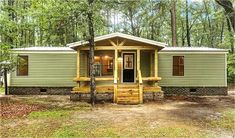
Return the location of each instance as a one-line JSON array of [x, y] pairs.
[[140, 84]]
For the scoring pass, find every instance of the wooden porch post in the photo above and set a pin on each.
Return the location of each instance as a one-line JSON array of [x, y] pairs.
[[140, 77], [155, 64], [115, 76], [78, 65]]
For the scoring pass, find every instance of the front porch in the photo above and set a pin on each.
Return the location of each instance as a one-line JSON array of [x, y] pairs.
[[125, 68]]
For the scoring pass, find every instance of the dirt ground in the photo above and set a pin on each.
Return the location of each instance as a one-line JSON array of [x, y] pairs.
[[57, 116]]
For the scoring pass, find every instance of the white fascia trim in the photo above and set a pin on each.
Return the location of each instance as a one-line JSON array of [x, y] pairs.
[[44, 52], [189, 52]]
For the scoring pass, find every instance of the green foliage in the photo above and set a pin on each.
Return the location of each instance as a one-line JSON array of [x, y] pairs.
[[26, 23], [231, 68], [2, 90], [7, 59]]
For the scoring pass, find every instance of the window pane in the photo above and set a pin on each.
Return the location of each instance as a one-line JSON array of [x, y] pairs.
[[175, 70], [22, 68], [175, 60], [181, 60], [178, 65], [103, 65], [181, 70]]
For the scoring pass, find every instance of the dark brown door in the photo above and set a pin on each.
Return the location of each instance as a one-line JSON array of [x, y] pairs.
[[128, 67]]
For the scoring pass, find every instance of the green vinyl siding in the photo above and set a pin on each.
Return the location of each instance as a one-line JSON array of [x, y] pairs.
[[145, 64], [200, 69], [83, 64], [48, 69]]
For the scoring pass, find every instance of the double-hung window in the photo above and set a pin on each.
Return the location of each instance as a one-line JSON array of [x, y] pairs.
[[22, 65], [178, 65]]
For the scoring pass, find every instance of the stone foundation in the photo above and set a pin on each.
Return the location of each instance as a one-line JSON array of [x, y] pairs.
[[197, 91], [40, 90], [108, 97], [153, 96]]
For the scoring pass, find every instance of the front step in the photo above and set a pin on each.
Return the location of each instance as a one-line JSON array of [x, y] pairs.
[[128, 94]]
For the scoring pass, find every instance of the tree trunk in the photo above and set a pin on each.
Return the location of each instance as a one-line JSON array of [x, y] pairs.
[[91, 52], [132, 22], [222, 32], [231, 38], [229, 10], [11, 15], [210, 35], [187, 25], [173, 23], [230, 14]]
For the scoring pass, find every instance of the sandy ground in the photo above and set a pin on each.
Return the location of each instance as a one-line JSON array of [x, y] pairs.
[[191, 113]]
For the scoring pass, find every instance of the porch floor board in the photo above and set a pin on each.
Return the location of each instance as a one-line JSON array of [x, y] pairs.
[[96, 79], [152, 89]]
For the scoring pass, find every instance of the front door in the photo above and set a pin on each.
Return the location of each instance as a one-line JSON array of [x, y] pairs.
[[128, 67]]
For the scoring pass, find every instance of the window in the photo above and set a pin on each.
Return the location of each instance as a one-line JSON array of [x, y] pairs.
[[128, 63], [178, 65], [103, 65], [22, 66]]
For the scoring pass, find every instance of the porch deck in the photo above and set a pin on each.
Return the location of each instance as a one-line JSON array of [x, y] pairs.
[[122, 93]]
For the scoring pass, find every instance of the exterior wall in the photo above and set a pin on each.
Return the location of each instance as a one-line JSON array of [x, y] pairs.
[[145, 64], [200, 70], [83, 64], [47, 70]]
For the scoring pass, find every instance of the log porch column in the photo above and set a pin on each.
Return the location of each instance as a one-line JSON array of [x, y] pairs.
[[78, 65], [138, 59], [155, 64], [115, 76], [140, 77]]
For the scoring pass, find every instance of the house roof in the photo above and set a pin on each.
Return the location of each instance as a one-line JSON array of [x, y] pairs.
[[44, 50], [121, 35], [192, 49], [166, 49], [40, 48]]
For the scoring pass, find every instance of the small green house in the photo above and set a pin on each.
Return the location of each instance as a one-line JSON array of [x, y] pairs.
[[128, 69]]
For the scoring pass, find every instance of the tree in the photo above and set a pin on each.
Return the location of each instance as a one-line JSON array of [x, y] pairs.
[[91, 51], [230, 18], [187, 25], [173, 23]]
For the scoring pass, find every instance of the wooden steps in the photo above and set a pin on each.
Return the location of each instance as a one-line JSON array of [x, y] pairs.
[[128, 94]]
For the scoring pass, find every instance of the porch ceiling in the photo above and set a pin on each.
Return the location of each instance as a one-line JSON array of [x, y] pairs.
[[119, 39]]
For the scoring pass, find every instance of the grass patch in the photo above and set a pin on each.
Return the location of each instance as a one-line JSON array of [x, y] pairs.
[[33, 128], [49, 114], [173, 132], [227, 121], [79, 128]]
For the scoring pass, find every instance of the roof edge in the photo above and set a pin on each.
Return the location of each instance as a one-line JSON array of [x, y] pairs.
[[117, 34]]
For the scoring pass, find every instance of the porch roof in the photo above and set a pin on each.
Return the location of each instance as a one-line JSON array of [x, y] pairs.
[[122, 36]]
